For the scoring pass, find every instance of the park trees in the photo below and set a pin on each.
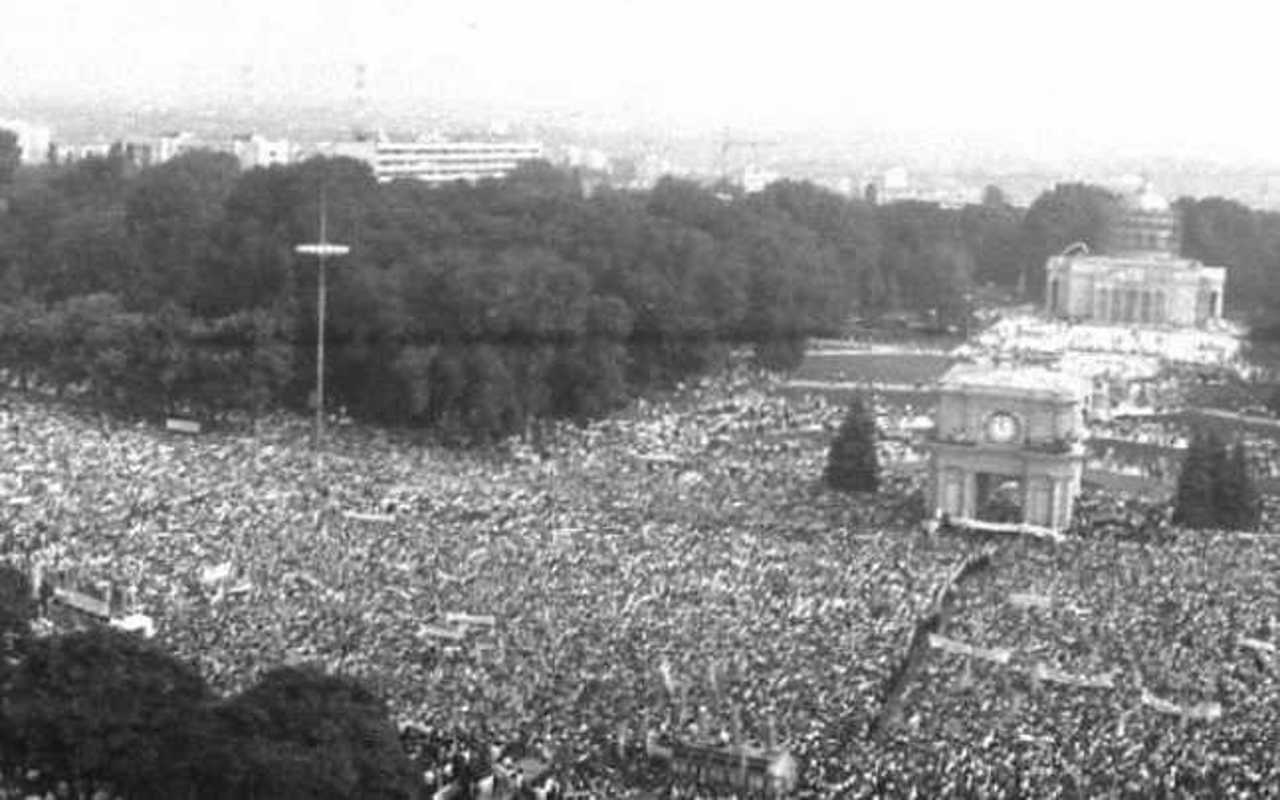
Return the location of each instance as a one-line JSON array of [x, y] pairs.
[[170, 214], [466, 305], [1227, 233], [1069, 213]]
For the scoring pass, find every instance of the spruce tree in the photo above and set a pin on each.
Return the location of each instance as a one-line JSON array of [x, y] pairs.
[[1237, 504], [1194, 502], [852, 463]]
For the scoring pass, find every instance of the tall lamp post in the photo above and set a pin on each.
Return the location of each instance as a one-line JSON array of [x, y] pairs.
[[321, 250]]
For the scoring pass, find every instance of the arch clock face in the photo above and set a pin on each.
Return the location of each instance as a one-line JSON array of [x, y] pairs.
[[1002, 427]]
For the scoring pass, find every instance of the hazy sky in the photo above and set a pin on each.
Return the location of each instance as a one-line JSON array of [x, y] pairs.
[[1170, 76]]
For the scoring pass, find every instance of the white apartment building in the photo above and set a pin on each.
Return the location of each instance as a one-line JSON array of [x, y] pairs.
[[254, 150], [439, 161], [33, 139], [169, 146]]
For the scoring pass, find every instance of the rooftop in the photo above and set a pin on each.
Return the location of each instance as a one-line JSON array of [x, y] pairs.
[[1144, 260], [1022, 380], [1147, 200]]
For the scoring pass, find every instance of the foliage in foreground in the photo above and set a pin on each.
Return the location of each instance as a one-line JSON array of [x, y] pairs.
[[102, 709]]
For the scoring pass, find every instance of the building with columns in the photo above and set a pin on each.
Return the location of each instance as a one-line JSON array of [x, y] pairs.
[[1141, 280], [1015, 433]]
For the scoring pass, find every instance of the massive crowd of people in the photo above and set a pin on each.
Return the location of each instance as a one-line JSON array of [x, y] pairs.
[[675, 569]]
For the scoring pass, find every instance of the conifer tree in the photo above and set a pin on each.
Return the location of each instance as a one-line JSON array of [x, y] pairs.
[[852, 463], [1237, 504], [1194, 502]]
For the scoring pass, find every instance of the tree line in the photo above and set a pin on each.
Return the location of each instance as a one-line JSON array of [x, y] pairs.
[[474, 310]]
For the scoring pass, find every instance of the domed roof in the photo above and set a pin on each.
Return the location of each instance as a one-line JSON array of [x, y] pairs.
[[1148, 199]]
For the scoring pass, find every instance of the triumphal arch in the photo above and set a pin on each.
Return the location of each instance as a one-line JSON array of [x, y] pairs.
[[1008, 444]]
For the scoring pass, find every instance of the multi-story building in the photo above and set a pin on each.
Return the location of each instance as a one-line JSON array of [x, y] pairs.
[[171, 145], [1143, 281], [254, 150], [435, 161], [33, 139]]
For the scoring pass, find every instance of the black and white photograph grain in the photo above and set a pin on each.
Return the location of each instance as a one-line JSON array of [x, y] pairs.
[[639, 400]]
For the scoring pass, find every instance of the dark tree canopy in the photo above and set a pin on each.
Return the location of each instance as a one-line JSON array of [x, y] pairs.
[[10, 155], [107, 708], [1225, 233], [300, 732], [1215, 487], [17, 605], [1070, 213], [852, 462], [474, 310]]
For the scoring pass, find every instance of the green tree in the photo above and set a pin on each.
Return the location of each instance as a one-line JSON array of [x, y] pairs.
[[104, 709], [852, 462], [1195, 499], [17, 606], [1227, 233], [10, 155], [171, 212], [299, 732], [1069, 213], [993, 197], [992, 232], [1237, 503]]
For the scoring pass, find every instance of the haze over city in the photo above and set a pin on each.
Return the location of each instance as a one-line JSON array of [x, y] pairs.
[[979, 79], [638, 400]]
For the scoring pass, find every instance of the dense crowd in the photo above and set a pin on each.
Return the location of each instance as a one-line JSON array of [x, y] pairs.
[[1027, 335], [674, 568]]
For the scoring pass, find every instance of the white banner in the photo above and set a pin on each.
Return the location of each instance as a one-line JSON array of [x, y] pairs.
[[1029, 600], [1205, 711], [1266, 648], [998, 655], [1047, 673]]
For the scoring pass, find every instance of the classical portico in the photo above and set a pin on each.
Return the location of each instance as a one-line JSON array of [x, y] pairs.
[[1000, 427], [1141, 279], [1134, 290]]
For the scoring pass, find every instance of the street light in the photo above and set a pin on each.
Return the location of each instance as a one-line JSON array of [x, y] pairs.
[[321, 250]]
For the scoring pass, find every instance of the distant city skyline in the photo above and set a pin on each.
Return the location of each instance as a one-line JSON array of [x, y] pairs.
[[1050, 81]]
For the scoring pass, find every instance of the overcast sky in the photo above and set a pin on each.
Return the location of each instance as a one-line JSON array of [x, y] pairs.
[[1171, 76]]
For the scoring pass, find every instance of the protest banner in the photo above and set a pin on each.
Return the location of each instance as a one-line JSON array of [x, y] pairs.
[[187, 426], [742, 770], [969, 525], [1266, 648], [216, 573], [84, 603], [998, 655], [136, 623], [1046, 673], [1030, 600], [1208, 711], [441, 634], [458, 619], [360, 516]]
